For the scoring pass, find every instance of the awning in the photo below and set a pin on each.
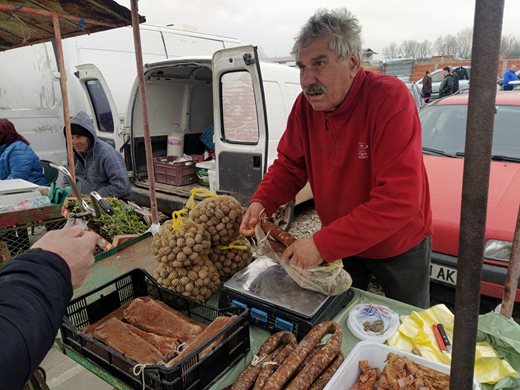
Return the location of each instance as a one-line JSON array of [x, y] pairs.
[[27, 22]]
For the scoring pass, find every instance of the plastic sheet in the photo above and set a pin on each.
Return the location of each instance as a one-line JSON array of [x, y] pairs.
[[330, 279]]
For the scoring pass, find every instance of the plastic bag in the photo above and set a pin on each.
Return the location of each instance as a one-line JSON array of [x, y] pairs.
[[330, 279]]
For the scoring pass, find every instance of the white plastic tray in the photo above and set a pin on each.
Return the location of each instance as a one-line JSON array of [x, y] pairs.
[[375, 353]]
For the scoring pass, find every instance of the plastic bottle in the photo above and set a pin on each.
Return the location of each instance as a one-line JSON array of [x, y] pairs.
[[175, 145]]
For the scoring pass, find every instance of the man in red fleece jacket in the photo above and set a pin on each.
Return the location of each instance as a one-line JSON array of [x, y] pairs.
[[356, 137]]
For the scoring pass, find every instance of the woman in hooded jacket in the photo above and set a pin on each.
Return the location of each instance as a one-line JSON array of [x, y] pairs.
[[17, 159]]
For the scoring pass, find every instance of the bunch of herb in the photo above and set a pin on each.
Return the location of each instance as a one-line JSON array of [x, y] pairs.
[[123, 221]]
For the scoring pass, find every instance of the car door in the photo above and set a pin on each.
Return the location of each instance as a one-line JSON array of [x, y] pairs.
[[241, 132], [102, 106]]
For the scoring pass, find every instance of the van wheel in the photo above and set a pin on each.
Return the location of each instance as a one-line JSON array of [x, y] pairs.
[[284, 216]]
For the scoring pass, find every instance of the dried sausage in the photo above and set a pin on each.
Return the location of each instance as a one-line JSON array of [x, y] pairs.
[[325, 377], [306, 345], [268, 369], [321, 361], [276, 232], [248, 377]]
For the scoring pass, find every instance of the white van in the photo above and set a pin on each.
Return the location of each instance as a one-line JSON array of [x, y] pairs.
[[246, 101], [30, 93]]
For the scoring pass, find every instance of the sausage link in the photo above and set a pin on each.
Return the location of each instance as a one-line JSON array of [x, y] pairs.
[[276, 232], [248, 377], [268, 369], [325, 377], [306, 345], [321, 361], [308, 358]]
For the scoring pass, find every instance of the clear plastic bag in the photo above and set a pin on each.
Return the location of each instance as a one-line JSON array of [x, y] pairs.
[[330, 279]]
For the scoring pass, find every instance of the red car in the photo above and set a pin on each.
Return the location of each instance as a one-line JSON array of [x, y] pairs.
[[444, 131]]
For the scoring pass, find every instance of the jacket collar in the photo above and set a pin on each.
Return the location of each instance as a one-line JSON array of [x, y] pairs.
[[352, 98]]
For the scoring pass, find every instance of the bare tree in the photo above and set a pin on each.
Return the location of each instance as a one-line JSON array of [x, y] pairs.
[[510, 46], [424, 49], [408, 49], [464, 41], [391, 51]]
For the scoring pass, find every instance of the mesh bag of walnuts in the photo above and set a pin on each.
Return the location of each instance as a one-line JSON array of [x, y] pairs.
[[198, 282], [220, 215], [231, 258], [181, 243]]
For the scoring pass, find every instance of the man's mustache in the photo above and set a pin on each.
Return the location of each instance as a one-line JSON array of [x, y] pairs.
[[314, 89]]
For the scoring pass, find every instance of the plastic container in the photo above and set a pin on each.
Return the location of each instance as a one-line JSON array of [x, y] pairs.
[[168, 171], [212, 177], [175, 141], [202, 171], [375, 353], [364, 312], [192, 372]]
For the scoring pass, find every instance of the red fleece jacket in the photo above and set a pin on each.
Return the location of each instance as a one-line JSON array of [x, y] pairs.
[[365, 166]]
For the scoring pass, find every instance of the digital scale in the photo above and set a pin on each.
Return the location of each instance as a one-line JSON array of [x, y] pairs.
[[276, 302]]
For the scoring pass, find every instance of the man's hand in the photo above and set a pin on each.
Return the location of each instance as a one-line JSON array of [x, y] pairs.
[[303, 253], [251, 218], [74, 246]]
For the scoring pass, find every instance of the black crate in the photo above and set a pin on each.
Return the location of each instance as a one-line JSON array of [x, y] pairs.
[[191, 372]]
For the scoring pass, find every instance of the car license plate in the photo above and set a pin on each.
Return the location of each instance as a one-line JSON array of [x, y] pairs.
[[443, 274]]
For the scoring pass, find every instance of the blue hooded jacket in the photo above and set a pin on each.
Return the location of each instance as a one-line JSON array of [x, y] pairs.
[[18, 161], [102, 168]]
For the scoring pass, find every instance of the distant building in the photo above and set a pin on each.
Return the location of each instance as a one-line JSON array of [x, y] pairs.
[[367, 55]]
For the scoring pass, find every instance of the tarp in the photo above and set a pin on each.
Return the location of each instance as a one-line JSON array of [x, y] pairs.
[[27, 22]]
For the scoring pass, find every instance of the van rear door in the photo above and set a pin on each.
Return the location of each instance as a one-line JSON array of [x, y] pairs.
[[102, 105], [241, 132]]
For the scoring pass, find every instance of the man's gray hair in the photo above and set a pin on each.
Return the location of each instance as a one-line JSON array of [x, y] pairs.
[[339, 24]]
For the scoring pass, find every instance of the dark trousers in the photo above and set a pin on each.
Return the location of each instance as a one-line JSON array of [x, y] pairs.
[[426, 97], [405, 277]]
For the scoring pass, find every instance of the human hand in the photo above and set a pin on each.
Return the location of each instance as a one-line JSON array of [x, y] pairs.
[[303, 253], [74, 246], [251, 218]]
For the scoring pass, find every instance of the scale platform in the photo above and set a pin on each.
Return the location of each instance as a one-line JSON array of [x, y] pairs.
[[276, 302]]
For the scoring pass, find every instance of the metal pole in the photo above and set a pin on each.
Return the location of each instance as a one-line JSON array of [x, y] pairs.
[[64, 95], [513, 273], [479, 134], [144, 109]]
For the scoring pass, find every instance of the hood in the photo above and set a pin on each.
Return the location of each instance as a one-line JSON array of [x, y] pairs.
[[82, 122], [445, 178]]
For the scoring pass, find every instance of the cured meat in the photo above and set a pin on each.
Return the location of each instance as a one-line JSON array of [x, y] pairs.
[[215, 327], [118, 336], [368, 377], [156, 317], [248, 377], [166, 345], [327, 375], [316, 365]]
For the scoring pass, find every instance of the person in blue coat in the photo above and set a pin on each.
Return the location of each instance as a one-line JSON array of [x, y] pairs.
[[17, 159], [510, 75]]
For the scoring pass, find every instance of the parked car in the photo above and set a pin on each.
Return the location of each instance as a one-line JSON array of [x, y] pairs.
[[438, 76], [444, 134]]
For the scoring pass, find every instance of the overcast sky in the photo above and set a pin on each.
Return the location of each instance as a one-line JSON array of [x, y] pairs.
[[272, 24]]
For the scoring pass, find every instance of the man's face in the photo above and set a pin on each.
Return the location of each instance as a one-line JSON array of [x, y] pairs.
[[513, 67], [324, 78], [80, 143], [445, 72]]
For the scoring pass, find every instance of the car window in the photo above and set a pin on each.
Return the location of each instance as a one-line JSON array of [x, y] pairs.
[[437, 76], [444, 128]]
